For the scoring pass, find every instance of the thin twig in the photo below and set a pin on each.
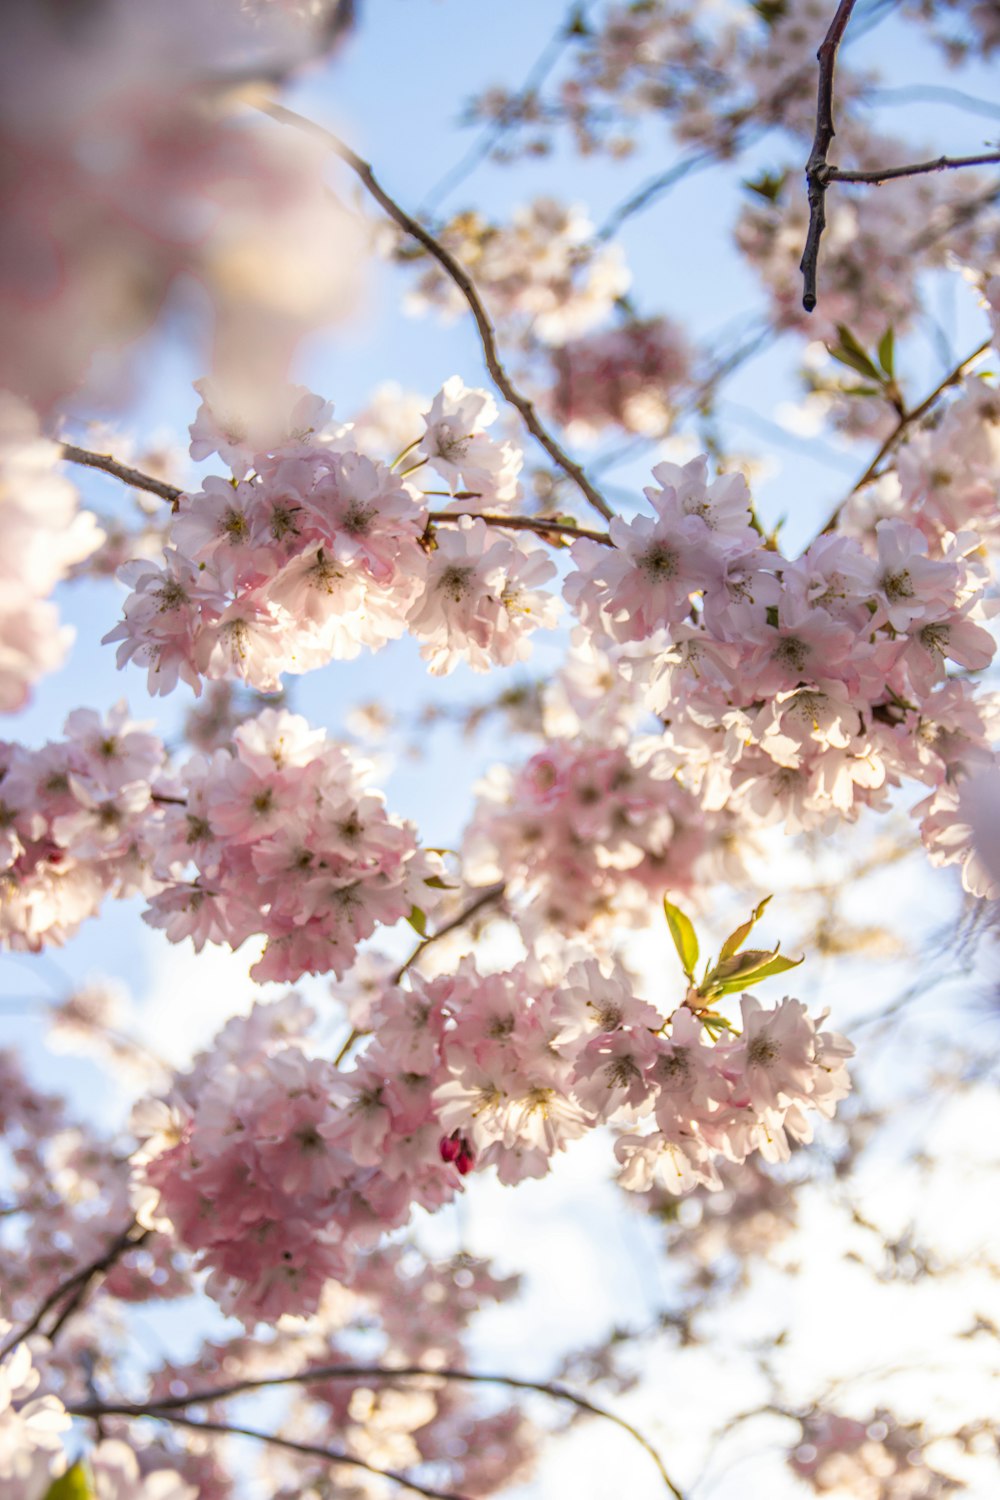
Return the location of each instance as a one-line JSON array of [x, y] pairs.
[[934, 93], [906, 420], [484, 898], [939, 164], [961, 215], [134, 477], [76, 1287], [522, 523], [231, 1429], [376, 1372], [654, 188], [569, 26], [817, 168], [458, 274]]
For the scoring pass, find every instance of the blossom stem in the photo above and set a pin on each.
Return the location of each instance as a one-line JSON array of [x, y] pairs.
[[538, 524], [458, 274], [402, 454]]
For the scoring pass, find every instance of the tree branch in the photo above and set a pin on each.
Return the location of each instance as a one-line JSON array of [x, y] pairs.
[[939, 164], [134, 477], [522, 523], [458, 274], [230, 1429], [817, 168], [906, 419], [373, 1372], [76, 1287]]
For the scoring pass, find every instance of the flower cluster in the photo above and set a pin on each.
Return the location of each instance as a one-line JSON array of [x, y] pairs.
[[586, 831], [713, 75], [947, 474], [541, 272], [627, 376], [76, 819], [794, 690], [281, 836], [312, 550], [305, 1166], [44, 536], [278, 836], [879, 1458]]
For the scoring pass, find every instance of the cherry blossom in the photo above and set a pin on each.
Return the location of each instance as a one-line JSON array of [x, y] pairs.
[[44, 536]]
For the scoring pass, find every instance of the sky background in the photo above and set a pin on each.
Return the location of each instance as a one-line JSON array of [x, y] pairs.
[[396, 93]]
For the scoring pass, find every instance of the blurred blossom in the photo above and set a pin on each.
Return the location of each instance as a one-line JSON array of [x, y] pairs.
[[124, 169]]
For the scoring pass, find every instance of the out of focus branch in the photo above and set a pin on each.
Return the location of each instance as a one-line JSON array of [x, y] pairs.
[[906, 420], [134, 477], [77, 1286], [817, 167], [292, 1445], [322, 1373], [654, 188], [570, 26], [458, 274]]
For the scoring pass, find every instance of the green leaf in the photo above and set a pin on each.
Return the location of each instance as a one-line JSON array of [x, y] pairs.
[[73, 1485], [771, 611], [767, 186], [733, 941], [418, 921], [437, 884], [683, 934], [849, 352], [861, 390], [887, 352], [740, 965], [778, 965]]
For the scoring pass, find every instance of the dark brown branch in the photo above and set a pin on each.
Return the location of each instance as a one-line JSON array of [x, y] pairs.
[[76, 1287], [230, 1429], [458, 274], [522, 523], [817, 168], [915, 169], [134, 477], [906, 420], [374, 1372]]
